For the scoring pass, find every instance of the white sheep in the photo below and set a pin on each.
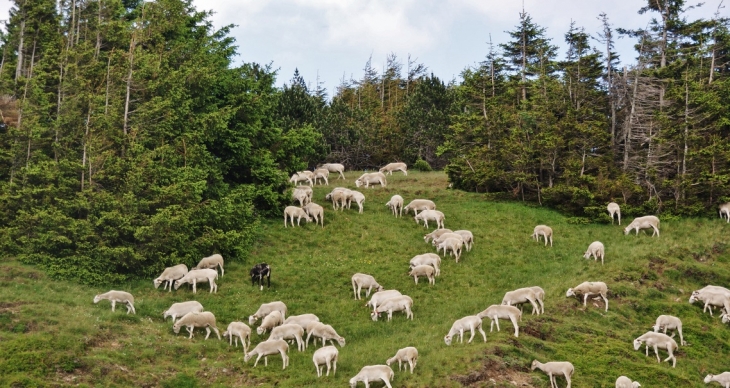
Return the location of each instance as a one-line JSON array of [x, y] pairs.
[[306, 189], [397, 303], [545, 231], [266, 309], [300, 195], [725, 317], [380, 296], [297, 177], [435, 234], [302, 320], [287, 332], [423, 270], [395, 205], [390, 167], [236, 331], [371, 373], [408, 354], [452, 244], [438, 240], [117, 296], [268, 348], [339, 196], [596, 249], [657, 341], [723, 378], [725, 209], [358, 198], [211, 262], [293, 211], [419, 205], [325, 356], [196, 276], [588, 289], [335, 167], [204, 319], [468, 237], [321, 173], [470, 322], [625, 382], [315, 211], [555, 368], [371, 178], [182, 308], [496, 312], [431, 259], [270, 321], [711, 298], [668, 322], [524, 295], [613, 208], [430, 215], [360, 281], [645, 222], [324, 332], [169, 275]]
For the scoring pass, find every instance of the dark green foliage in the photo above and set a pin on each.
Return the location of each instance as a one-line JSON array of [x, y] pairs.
[[422, 165]]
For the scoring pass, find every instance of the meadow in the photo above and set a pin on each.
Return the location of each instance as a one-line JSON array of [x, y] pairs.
[[51, 334]]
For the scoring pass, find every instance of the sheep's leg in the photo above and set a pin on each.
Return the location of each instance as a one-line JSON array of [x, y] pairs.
[[113, 305], [646, 348], [656, 353], [190, 330], [514, 323], [553, 384], [585, 300], [605, 300], [681, 338], [567, 377], [207, 332], [317, 367], [494, 320], [461, 335]]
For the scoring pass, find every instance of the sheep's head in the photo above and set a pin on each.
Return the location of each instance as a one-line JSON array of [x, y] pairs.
[[627, 230], [260, 330], [637, 344], [635, 384], [97, 299], [587, 255], [694, 297], [353, 383], [656, 328], [379, 288], [534, 365], [569, 293], [447, 340], [248, 356], [178, 284], [374, 315], [157, 282], [251, 319], [725, 318], [358, 182], [708, 379], [341, 341], [176, 327]]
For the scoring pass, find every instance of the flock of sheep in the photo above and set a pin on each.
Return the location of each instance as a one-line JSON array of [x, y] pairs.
[[191, 314]]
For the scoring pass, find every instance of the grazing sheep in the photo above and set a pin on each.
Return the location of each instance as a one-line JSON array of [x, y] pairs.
[[431, 259], [321, 173], [390, 167], [596, 250], [613, 208], [371, 178], [645, 222], [395, 204], [270, 321], [430, 215], [372, 373], [325, 332], [408, 354], [468, 238], [287, 332], [339, 196], [316, 212], [438, 240], [308, 190], [300, 195], [452, 244], [588, 289], [293, 211], [266, 309], [524, 295], [723, 378], [117, 296], [423, 270], [657, 341], [716, 289], [258, 273], [419, 205], [358, 198], [302, 320], [268, 348], [555, 368], [182, 308], [496, 312], [470, 322], [169, 275], [397, 303], [725, 209], [711, 298], [236, 331], [335, 167], [625, 382], [325, 355], [545, 231], [668, 322], [380, 296], [211, 262], [194, 276], [360, 281], [298, 177], [204, 319], [435, 234]]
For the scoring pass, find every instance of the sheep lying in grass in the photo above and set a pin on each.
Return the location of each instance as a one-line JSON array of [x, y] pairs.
[[452, 244], [182, 308], [431, 259], [470, 323], [668, 322], [711, 298], [270, 321], [468, 238], [360, 281], [397, 303], [395, 204], [117, 296], [335, 167], [325, 356], [596, 250], [266, 309], [372, 373], [496, 312], [645, 222], [196, 276], [293, 211], [290, 331], [435, 234], [236, 331], [614, 209], [725, 210], [370, 179], [625, 382], [555, 368], [588, 289], [657, 341], [532, 295], [316, 212], [321, 173], [169, 275], [380, 297], [211, 262], [423, 270], [408, 354], [723, 378], [390, 167], [545, 231], [430, 215], [325, 333], [204, 319], [268, 348]]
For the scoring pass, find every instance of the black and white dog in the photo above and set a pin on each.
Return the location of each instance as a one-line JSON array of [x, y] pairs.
[[259, 272]]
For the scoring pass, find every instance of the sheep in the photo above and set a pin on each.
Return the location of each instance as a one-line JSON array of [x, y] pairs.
[[717, 289], [182, 308], [711, 298], [372, 178], [395, 204], [316, 212], [297, 177], [169, 275], [360, 281], [302, 320], [725, 317], [645, 222], [524, 295], [238, 330], [435, 234], [452, 244], [468, 237], [545, 231], [293, 211], [358, 198], [270, 321], [268, 348], [614, 209], [496, 312], [723, 378], [725, 209], [117, 296], [397, 303], [431, 259], [380, 296], [625, 382], [192, 320], [211, 262], [423, 270], [438, 240], [668, 322], [307, 190], [555, 368], [258, 273], [300, 195], [419, 204], [470, 322], [325, 332], [371, 373], [199, 275], [432, 215], [408, 354], [321, 173], [596, 249], [335, 167], [266, 309], [589, 289], [339, 197], [657, 341], [287, 331], [390, 167], [306, 173], [325, 355]]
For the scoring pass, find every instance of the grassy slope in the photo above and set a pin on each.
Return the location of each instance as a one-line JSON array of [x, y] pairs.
[[51, 333]]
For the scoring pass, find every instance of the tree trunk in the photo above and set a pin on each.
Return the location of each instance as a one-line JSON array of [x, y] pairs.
[[27, 82], [19, 66], [132, 44]]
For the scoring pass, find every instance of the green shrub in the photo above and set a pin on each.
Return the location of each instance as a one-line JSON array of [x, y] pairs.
[[422, 165]]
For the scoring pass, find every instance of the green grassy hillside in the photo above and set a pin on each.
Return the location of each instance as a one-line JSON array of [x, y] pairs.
[[51, 334]]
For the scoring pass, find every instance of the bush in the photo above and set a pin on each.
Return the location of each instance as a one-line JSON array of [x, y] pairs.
[[422, 165]]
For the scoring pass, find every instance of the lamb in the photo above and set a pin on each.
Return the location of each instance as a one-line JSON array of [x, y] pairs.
[[525, 295], [335, 167], [398, 303], [555, 368], [300, 195], [325, 355], [236, 331], [211, 262], [545, 231], [625, 382], [711, 298], [725, 209], [339, 197], [266, 309], [496, 312], [182, 308], [286, 332], [430, 215], [321, 173], [307, 190], [117, 296], [371, 373], [358, 198], [668, 322], [268, 348], [169, 275], [435, 234], [431, 259], [657, 341], [199, 275], [438, 240], [293, 211], [395, 204], [470, 322], [302, 320], [723, 378], [420, 205], [645, 222], [380, 297], [408, 354], [452, 244], [204, 319], [360, 281], [589, 289], [614, 209], [297, 177], [468, 238], [423, 270], [316, 212], [372, 178], [325, 332], [390, 167], [596, 249], [270, 321]]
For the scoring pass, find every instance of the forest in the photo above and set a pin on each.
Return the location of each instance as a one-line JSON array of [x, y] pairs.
[[130, 141]]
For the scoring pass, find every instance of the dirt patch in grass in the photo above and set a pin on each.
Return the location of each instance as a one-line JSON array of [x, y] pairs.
[[495, 373]]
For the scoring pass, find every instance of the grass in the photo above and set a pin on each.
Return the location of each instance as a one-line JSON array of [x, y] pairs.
[[51, 334]]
